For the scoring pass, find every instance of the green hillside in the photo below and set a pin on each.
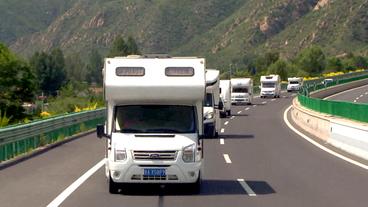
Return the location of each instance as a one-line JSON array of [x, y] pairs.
[[225, 32]]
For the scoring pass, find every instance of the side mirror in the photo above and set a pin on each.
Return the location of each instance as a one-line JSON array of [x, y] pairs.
[[100, 129]]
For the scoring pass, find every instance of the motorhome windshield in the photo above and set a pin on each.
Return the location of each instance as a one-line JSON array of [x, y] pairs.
[[268, 85], [208, 102], [155, 119], [240, 90]]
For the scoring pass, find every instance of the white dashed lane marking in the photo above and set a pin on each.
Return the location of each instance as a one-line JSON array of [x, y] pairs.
[[227, 158], [222, 141], [232, 117], [264, 102], [222, 130], [226, 123], [273, 99], [239, 112], [246, 187], [247, 108]]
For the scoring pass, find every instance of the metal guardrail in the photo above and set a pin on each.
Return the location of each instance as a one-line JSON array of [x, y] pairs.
[[19, 139], [353, 111]]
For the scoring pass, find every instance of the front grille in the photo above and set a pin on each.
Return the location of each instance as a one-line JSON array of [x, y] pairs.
[[154, 155]]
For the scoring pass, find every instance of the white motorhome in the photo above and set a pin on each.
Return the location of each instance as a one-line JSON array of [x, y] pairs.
[[241, 90], [270, 86], [154, 120], [294, 84], [212, 104], [225, 93]]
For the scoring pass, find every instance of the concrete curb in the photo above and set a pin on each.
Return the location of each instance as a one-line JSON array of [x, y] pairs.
[[347, 135], [42, 150]]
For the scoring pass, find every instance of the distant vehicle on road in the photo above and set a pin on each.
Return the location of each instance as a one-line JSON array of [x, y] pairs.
[[294, 84], [225, 94], [270, 86], [154, 121], [241, 91], [327, 80], [212, 104]]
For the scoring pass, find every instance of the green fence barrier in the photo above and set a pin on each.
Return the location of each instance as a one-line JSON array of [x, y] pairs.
[[353, 111], [19, 139]]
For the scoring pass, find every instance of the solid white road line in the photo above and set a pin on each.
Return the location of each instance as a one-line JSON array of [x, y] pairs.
[[246, 187], [232, 117], [222, 141], [321, 146], [239, 112], [222, 130], [66, 193], [226, 122], [336, 94], [227, 158], [264, 102]]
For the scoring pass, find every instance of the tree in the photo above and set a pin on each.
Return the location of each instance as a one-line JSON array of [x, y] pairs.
[[280, 67], [75, 69], [94, 68], [334, 64], [312, 60], [120, 47], [17, 84], [49, 70], [132, 47]]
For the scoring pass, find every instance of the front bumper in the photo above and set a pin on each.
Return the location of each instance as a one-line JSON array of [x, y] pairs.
[[240, 100], [176, 171]]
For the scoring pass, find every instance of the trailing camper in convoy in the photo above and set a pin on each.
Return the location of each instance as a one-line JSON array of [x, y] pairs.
[[241, 90], [270, 86], [212, 104], [154, 120], [225, 94], [294, 84]]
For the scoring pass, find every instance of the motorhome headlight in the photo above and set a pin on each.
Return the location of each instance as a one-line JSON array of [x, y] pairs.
[[189, 153], [209, 115], [120, 155]]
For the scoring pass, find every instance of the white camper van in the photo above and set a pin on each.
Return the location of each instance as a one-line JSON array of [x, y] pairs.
[[241, 90], [270, 86], [154, 120], [212, 104], [294, 84], [225, 93]]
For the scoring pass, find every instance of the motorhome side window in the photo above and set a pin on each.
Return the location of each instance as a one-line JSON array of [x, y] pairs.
[[209, 100], [268, 85], [240, 90], [155, 119], [294, 82]]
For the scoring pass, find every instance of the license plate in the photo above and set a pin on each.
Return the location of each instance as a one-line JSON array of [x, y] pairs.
[[154, 172]]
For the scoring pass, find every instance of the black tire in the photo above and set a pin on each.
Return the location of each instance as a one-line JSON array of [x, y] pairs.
[[195, 188], [216, 134], [228, 112], [113, 187]]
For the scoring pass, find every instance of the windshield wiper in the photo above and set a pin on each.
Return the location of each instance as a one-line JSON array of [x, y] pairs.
[[129, 130]]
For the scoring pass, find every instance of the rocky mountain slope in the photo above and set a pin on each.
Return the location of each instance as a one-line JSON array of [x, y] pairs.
[[223, 31]]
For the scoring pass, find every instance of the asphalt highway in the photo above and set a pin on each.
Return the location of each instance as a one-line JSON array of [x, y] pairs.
[[256, 161], [356, 95]]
